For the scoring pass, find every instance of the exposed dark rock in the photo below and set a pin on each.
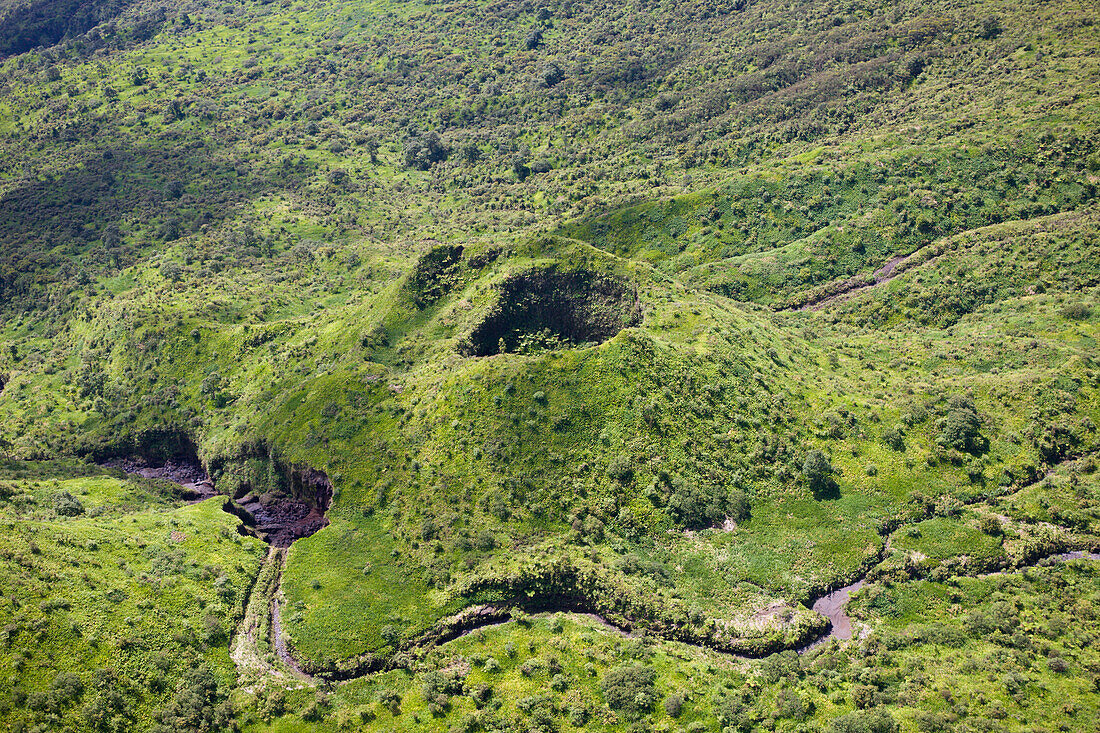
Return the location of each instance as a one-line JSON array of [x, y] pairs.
[[293, 506], [281, 519], [189, 474]]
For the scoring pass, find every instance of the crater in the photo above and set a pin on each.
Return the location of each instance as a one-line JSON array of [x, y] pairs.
[[548, 308], [163, 453]]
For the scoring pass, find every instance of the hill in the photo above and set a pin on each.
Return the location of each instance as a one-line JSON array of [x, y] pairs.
[[614, 334]]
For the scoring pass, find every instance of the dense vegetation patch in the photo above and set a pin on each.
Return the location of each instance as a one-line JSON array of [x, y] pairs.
[[680, 313]]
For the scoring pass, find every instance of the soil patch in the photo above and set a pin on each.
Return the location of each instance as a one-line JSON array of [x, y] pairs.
[[189, 474], [849, 288], [832, 606]]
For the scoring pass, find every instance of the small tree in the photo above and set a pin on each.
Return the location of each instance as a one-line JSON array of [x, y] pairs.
[[67, 505], [894, 438], [960, 428], [818, 473], [424, 150]]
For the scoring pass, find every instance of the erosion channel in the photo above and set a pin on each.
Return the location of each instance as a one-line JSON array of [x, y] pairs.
[[278, 518], [260, 649]]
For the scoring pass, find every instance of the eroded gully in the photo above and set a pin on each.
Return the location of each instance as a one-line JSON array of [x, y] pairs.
[[263, 612]]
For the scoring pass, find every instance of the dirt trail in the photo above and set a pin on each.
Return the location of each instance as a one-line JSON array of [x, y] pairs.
[[850, 288], [260, 632]]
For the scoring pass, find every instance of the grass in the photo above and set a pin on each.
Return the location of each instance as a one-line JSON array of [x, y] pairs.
[[144, 589], [235, 249]]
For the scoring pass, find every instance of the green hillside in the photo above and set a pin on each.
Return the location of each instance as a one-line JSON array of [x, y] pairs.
[[602, 339]]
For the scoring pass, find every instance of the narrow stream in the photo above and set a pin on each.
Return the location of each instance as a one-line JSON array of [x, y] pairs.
[[278, 640], [833, 607], [281, 524]]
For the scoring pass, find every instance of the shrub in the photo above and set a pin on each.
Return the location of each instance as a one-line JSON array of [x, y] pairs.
[[865, 721], [629, 688], [674, 704], [391, 699], [1076, 311], [894, 438], [621, 468], [960, 428], [789, 704], [66, 688], [66, 505], [424, 150], [818, 473], [540, 712], [991, 526], [438, 688], [199, 705]]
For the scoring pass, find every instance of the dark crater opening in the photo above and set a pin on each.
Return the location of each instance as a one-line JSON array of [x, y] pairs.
[[160, 453], [282, 519], [277, 502], [548, 308]]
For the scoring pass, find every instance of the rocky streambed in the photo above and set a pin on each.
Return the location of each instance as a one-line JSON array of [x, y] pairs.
[[190, 475], [282, 520], [278, 520]]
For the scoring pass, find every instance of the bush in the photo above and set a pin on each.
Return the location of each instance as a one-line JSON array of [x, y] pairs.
[[991, 526], [894, 438], [621, 468], [789, 704], [960, 428], [674, 704], [698, 505], [630, 688], [818, 473], [108, 709], [1076, 311], [66, 505], [391, 699], [199, 706], [66, 688], [438, 689], [424, 150], [865, 721]]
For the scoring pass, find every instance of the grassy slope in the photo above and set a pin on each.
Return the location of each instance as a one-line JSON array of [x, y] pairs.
[[259, 302], [138, 589]]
